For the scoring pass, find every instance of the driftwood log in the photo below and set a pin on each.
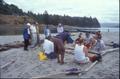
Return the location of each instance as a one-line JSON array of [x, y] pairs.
[[5, 65], [11, 45]]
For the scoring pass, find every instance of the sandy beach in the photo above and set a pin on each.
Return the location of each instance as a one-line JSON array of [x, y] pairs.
[[27, 65]]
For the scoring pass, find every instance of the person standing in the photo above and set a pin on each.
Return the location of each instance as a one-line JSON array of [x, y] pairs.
[[26, 36], [33, 32], [47, 31], [38, 38], [60, 28]]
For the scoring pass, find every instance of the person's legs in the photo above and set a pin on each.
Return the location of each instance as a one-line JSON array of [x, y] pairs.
[[86, 60], [58, 59], [38, 40], [47, 55], [62, 58], [51, 55], [26, 43], [34, 40], [94, 57]]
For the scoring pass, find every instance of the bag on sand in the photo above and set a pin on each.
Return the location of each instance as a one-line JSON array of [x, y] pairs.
[[42, 56]]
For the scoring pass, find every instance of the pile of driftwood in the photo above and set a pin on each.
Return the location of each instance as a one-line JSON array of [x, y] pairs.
[[15, 44]]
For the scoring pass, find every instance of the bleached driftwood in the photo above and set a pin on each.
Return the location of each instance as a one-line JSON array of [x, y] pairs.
[[11, 45], [5, 65]]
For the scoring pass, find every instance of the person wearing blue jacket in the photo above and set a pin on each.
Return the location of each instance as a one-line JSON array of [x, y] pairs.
[[47, 31], [26, 36]]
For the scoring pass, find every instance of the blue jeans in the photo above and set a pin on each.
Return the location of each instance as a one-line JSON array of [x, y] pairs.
[[52, 55]]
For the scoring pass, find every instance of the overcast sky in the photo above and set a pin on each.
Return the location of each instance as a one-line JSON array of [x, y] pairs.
[[104, 10]]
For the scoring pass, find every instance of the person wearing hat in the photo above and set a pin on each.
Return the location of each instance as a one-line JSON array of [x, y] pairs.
[[60, 28], [26, 35]]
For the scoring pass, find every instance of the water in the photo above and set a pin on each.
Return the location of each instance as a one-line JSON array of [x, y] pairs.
[[109, 29], [102, 29]]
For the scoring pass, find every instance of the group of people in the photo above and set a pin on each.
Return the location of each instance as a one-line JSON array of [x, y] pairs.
[[82, 45], [48, 45], [47, 31], [31, 35], [85, 44]]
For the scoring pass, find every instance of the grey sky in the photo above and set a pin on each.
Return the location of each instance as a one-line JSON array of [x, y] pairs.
[[104, 10]]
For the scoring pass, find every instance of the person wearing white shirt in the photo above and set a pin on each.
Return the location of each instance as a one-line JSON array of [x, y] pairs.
[[48, 47], [33, 31], [80, 52], [60, 28]]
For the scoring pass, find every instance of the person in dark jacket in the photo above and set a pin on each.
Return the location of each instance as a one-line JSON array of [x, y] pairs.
[[26, 36]]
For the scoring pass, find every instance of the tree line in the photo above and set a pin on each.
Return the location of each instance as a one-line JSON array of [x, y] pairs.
[[45, 18]]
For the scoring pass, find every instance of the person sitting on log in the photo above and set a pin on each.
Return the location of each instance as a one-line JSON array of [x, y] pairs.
[[99, 45], [81, 54], [88, 40], [77, 40]]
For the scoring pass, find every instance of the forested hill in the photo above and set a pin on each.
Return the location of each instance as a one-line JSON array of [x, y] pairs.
[[45, 18]]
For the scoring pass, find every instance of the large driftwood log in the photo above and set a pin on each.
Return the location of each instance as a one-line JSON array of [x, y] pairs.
[[11, 45]]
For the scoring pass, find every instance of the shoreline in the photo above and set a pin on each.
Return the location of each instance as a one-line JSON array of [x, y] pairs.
[[6, 39]]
